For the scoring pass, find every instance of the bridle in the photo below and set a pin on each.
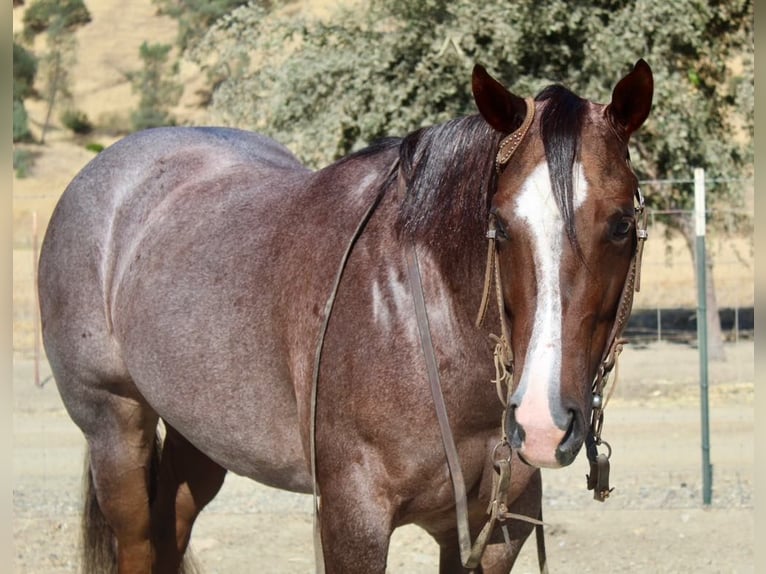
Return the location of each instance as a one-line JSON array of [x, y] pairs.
[[598, 479]]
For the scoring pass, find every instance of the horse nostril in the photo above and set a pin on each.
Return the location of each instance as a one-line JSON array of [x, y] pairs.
[[513, 430], [570, 427], [573, 439]]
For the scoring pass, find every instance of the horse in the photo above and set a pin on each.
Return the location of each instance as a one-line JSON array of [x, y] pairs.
[[202, 280]]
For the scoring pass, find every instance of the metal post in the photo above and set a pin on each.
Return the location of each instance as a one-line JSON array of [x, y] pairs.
[[659, 325], [699, 209]]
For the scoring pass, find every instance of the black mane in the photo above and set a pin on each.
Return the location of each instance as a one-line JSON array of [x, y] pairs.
[[448, 172], [561, 126]]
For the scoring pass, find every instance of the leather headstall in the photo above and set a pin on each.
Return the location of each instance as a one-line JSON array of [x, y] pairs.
[[598, 479], [510, 143]]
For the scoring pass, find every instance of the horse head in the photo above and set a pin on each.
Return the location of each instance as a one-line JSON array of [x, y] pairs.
[[566, 223]]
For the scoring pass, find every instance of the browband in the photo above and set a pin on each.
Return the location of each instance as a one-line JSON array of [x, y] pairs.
[[511, 142]]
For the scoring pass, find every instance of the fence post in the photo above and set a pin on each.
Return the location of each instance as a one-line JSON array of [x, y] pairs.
[[659, 325], [699, 208]]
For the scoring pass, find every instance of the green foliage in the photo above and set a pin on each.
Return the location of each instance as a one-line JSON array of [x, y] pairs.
[[76, 121], [58, 19], [195, 17], [24, 71], [20, 122], [158, 93], [23, 160], [42, 14], [94, 147], [325, 89]]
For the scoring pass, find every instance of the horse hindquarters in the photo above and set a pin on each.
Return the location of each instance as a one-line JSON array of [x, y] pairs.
[[125, 524]]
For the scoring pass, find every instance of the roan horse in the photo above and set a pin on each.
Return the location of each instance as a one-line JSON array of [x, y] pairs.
[[202, 276]]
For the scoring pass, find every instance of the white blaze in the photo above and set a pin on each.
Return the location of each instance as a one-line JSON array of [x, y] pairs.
[[541, 378]]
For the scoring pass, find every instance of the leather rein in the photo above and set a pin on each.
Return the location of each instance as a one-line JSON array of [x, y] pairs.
[[598, 479]]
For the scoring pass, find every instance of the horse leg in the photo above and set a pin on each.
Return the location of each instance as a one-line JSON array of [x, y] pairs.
[[499, 555], [188, 481], [120, 467], [356, 525], [449, 554]]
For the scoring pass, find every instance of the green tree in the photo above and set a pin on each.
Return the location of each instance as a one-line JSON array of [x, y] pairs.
[[24, 72], [157, 92], [195, 17], [58, 19], [42, 14], [325, 89]]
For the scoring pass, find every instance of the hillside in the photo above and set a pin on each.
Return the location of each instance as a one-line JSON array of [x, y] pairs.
[[108, 47]]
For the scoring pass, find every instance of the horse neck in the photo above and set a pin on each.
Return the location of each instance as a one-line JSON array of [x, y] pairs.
[[446, 176], [461, 274], [453, 286]]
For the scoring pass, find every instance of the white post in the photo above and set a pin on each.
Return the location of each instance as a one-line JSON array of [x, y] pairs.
[[699, 216]]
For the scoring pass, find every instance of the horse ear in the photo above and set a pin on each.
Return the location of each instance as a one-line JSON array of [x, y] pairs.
[[632, 98], [500, 108]]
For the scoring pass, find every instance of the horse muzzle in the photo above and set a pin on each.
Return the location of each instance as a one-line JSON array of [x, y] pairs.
[[542, 443]]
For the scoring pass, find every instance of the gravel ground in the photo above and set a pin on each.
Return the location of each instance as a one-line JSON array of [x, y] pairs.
[[655, 520]]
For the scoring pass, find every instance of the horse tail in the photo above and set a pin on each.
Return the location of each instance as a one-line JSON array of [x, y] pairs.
[[97, 541], [98, 544]]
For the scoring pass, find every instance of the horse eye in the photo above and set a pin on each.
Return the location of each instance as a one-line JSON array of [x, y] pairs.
[[622, 228], [502, 232], [500, 229]]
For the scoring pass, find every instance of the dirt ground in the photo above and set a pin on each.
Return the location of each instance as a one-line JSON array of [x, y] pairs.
[[655, 520]]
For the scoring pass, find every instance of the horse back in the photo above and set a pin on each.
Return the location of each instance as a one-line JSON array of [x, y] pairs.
[[186, 264], [151, 184]]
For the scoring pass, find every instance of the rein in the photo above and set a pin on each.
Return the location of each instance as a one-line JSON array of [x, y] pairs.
[[318, 553], [470, 553]]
